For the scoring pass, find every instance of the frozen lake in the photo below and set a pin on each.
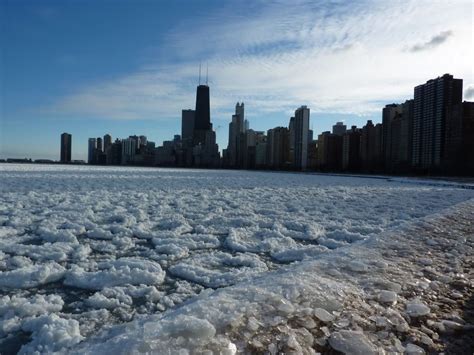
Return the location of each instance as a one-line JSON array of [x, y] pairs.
[[83, 248]]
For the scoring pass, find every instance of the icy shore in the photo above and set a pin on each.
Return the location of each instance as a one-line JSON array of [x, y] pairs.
[[407, 292], [128, 259]]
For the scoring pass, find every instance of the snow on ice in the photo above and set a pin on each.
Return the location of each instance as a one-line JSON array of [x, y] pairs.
[[121, 260]]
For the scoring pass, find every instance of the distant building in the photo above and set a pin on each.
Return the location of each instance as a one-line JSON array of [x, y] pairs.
[[202, 122], [278, 148], [250, 140], [142, 141], [66, 143], [204, 151], [434, 102], [301, 129], [389, 114], [99, 145], [312, 155], [114, 153], [92, 146], [459, 152], [261, 150], [291, 141], [129, 149], [187, 126], [107, 142], [236, 144], [339, 129], [351, 149], [371, 147], [329, 151], [467, 145], [397, 138]]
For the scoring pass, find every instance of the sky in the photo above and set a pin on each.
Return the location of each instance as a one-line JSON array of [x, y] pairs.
[[129, 67]]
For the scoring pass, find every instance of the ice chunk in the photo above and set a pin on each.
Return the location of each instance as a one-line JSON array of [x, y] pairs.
[[387, 297], [23, 307], [219, 269], [32, 276], [50, 334], [412, 349], [351, 342], [124, 271], [357, 266], [416, 308], [323, 315]]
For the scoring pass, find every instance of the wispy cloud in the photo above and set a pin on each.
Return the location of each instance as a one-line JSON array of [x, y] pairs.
[[434, 42], [338, 58]]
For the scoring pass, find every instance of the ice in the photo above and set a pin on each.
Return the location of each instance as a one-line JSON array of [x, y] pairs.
[[50, 334], [387, 297], [32, 276], [351, 342], [323, 315], [219, 269], [124, 271], [128, 259], [23, 307], [416, 308], [412, 349]]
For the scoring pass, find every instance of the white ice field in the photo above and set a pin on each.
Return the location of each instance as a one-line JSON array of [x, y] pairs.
[[123, 260]]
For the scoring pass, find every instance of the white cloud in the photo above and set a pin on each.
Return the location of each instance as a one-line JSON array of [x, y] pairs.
[[338, 58]]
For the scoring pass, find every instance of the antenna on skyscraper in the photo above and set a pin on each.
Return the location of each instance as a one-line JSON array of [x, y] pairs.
[[199, 72], [207, 71]]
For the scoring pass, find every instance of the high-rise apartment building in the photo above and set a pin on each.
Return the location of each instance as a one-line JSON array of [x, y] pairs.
[[107, 142], [129, 149], [301, 133], [371, 147], [66, 143], [389, 113], [99, 144], [278, 148], [351, 149], [433, 103], [236, 129], [187, 126], [329, 151], [397, 130], [92, 146], [459, 151], [339, 128]]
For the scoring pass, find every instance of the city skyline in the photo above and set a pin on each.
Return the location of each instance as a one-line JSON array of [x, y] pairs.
[[429, 133], [264, 63]]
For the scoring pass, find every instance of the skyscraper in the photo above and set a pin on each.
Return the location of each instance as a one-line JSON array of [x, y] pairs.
[[99, 144], [351, 149], [301, 128], [107, 142], [202, 122], [371, 147], [397, 126], [389, 113], [129, 149], [91, 150], [278, 147], [236, 128], [187, 126], [433, 103], [66, 140], [339, 128]]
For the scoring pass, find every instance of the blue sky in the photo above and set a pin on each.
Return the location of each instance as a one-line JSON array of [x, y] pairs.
[[129, 67]]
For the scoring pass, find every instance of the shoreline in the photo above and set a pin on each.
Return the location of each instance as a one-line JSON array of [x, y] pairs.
[[409, 290]]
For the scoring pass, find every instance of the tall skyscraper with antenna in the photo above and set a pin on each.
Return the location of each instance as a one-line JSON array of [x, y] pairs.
[[202, 122]]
